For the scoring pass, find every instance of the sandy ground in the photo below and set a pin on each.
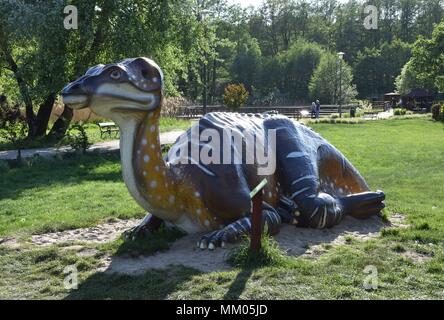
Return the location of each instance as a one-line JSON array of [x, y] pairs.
[[296, 241]]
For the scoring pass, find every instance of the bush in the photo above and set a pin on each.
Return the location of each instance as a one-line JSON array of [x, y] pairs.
[[13, 128], [437, 112], [400, 112], [235, 96], [79, 140]]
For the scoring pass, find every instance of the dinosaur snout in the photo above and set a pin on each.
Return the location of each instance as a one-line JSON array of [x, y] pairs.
[[74, 95]]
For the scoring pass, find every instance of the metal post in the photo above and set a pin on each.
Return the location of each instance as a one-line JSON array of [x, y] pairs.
[[256, 217], [340, 88], [341, 57], [205, 86]]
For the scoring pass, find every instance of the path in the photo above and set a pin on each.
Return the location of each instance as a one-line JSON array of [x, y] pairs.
[[107, 146]]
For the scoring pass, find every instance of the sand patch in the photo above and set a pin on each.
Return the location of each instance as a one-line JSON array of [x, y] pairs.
[[296, 241], [102, 233], [416, 257], [183, 252]]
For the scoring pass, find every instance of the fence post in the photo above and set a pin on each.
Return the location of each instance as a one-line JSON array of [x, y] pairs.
[[256, 217]]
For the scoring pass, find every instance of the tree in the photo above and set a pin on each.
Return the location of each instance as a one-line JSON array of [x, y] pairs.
[[375, 70], [42, 56], [298, 66], [247, 63], [407, 80], [426, 67], [324, 84]]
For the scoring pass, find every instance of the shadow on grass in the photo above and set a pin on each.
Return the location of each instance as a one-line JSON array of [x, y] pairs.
[[136, 283], [152, 285], [43, 172], [239, 284]]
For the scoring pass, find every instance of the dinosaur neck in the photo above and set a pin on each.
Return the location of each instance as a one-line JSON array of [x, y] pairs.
[[153, 179]]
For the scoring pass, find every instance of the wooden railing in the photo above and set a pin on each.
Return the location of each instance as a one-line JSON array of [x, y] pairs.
[[296, 112]]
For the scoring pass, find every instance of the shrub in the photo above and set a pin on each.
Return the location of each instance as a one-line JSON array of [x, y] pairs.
[[235, 96], [13, 128], [400, 112], [334, 116], [437, 112], [77, 138]]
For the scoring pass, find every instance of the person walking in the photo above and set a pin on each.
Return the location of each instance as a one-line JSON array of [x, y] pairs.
[[313, 110], [318, 109]]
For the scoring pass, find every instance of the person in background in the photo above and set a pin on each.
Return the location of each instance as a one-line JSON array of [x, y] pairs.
[[318, 109], [313, 110]]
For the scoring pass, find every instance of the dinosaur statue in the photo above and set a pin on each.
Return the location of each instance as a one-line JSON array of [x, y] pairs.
[[314, 185]]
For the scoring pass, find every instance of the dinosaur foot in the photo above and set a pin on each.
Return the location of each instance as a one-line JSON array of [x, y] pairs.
[[271, 222], [364, 205], [149, 225]]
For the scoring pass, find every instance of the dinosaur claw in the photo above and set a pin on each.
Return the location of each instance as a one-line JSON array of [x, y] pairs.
[[211, 247], [223, 245], [203, 245]]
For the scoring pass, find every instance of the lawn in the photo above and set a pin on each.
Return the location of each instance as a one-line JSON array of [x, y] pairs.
[[402, 157]]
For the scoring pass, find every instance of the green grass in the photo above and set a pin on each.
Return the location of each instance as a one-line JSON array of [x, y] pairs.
[[54, 195], [94, 136], [403, 158]]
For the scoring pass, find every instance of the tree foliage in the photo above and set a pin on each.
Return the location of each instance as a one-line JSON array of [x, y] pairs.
[[426, 67], [281, 51], [332, 81]]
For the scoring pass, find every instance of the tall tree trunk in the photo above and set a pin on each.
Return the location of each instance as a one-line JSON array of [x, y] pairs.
[[43, 115], [60, 127]]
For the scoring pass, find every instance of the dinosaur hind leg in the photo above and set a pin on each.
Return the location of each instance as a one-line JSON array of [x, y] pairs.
[[271, 222], [337, 175]]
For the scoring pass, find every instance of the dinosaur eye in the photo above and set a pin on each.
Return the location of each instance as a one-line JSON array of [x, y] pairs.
[[116, 74]]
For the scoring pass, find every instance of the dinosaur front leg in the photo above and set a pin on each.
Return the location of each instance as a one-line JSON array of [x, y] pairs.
[[271, 222], [148, 225]]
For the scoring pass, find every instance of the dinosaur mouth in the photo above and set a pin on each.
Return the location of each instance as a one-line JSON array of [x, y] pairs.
[[75, 102]]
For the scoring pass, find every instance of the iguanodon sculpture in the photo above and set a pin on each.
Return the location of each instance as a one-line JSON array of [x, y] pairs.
[[313, 185]]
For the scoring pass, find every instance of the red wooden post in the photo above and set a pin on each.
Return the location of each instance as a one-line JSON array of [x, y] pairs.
[[256, 223], [256, 217]]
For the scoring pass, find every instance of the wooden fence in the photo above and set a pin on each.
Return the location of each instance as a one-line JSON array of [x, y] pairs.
[[296, 112]]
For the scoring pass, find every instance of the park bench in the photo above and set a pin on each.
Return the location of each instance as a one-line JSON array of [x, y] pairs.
[[108, 128]]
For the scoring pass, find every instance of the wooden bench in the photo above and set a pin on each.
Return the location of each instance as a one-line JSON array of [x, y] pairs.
[[108, 128]]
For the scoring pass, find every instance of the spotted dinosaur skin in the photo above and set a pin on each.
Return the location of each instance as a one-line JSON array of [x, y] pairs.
[[314, 185]]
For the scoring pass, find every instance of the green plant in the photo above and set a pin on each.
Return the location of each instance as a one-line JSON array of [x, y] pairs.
[[269, 255], [235, 96], [13, 128], [77, 138], [400, 112], [437, 112]]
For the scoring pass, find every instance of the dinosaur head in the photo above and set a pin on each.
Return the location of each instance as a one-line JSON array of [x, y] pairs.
[[130, 88]]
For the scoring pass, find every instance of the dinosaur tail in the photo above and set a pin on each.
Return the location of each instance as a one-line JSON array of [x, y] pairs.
[[337, 175]]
